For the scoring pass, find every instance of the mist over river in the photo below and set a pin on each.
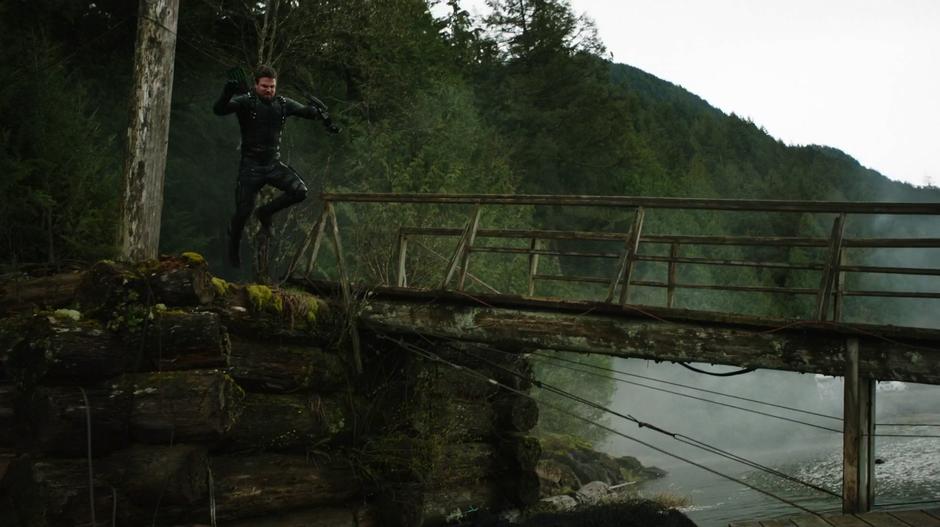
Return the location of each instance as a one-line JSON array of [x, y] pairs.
[[806, 447]]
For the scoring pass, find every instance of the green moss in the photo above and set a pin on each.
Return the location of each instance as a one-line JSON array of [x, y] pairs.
[[67, 314], [193, 258], [263, 298], [312, 307], [221, 286], [145, 268]]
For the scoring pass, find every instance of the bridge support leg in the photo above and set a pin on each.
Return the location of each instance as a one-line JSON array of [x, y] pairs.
[[858, 435]]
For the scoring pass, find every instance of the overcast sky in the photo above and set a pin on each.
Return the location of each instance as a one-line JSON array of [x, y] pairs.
[[862, 76]]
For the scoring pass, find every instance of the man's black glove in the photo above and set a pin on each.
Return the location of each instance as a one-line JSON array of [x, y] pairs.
[[231, 88]]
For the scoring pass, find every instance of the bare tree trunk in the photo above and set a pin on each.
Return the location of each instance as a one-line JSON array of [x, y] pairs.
[[148, 132]]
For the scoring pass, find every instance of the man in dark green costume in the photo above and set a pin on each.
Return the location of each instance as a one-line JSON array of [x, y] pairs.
[[261, 117]]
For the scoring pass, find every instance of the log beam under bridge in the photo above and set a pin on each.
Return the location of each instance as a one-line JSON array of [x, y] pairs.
[[660, 334]]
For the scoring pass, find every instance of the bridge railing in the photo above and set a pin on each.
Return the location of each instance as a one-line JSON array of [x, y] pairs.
[[832, 268]]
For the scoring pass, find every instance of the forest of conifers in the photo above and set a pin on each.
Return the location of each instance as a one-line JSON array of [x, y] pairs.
[[523, 101]]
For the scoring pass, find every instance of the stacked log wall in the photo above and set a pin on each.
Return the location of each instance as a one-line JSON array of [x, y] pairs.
[[209, 401]]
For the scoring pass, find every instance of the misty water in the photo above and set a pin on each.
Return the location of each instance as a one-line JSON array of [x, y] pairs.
[[908, 468]]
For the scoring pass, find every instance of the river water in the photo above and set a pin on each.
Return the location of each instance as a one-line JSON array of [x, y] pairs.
[[910, 472], [908, 468]]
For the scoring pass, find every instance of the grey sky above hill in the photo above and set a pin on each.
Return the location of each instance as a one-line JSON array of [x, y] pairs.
[[858, 75]]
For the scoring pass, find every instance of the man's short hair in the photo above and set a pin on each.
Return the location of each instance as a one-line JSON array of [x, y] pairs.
[[265, 71]]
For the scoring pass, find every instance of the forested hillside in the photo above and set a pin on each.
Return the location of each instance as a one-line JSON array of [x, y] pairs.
[[522, 101]]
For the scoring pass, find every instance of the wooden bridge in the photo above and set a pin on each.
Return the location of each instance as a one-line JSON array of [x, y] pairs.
[[648, 295]]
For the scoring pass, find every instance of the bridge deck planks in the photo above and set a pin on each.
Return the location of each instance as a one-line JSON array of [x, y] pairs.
[[916, 518], [883, 519], [927, 518], [809, 520]]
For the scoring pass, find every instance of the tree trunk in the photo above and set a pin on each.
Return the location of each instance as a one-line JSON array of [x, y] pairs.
[[148, 132], [194, 406]]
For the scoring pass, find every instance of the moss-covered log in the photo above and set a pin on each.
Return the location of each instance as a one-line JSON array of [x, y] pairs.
[[58, 417], [180, 340], [509, 369], [519, 452], [178, 281], [886, 353], [47, 292], [254, 486], [264, 366], [169, 407], [277, 316], [149, 475], [273, 422], [411, 505], [516, 413], [63, 488], [60, 346], [463, 420]]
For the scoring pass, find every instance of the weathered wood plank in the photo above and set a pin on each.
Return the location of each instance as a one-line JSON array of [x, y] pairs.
[[860, 207], [776, 523], [916, 518], [809, 520], [858, 445], [933, 512], [752, 523], [791, 349], [882, 519], [846, 521]]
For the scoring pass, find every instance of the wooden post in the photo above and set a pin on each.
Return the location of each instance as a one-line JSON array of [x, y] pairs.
[[831, 267], [402, 257], [315, 231], [461, 246], [533, 264], [474, 226], [858, 435], [318, 237], [633, 244], [149, 129], [837, 308], [344, 286], [625, 264], [673, 267]]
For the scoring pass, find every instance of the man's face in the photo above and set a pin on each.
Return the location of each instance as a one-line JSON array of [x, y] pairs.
[[265, 87]]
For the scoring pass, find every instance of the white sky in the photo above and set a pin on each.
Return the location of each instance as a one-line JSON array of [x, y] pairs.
[[862, 76]]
